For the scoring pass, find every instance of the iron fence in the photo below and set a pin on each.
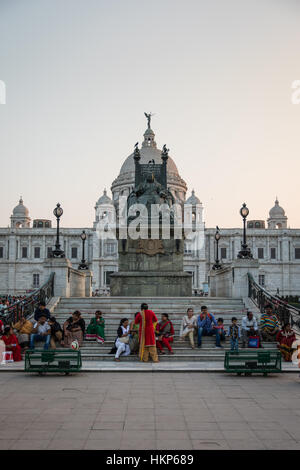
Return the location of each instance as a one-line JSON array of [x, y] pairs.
[[285, 313], [26, 307]]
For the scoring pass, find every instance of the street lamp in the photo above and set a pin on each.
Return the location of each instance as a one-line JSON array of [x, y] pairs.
[[58, 253], [245, 252], [217, 264], [83, 264]]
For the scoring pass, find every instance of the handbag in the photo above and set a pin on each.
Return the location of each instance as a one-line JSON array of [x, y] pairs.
[[124, 339], [253, 342]]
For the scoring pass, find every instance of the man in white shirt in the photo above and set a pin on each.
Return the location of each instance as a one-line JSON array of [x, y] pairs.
[[41, 332], [250, 328]]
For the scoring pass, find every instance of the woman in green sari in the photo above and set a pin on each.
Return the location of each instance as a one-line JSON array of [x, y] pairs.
[[95, 330]]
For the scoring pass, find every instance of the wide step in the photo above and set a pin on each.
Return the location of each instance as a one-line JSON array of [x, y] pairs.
[[115, 308]]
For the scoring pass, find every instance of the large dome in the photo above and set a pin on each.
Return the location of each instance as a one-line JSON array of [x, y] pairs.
[[124, 183], [147, 154]]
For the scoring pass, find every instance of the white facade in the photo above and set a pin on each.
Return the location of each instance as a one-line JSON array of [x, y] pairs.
[[24, 249]]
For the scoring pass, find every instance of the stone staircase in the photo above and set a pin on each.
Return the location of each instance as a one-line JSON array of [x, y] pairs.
[[115, 308]]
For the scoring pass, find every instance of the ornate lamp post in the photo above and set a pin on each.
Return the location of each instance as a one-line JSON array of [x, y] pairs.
[[58, 253], [245, 252], [217, 264], [83, 264]]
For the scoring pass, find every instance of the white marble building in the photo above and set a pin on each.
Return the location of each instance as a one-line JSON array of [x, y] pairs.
[[25, 247]]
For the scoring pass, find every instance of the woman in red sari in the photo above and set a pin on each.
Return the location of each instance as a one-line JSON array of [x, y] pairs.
[[147, 319], [165, 331], [11, 343], [285, 339]]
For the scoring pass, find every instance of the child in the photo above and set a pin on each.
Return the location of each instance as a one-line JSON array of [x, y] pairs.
[[220, 328], [234, 334]]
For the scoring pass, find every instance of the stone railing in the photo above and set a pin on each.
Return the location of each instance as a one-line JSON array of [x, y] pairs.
[[286, 313], [26, 307]]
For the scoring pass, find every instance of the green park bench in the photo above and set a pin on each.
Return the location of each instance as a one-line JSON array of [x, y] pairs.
[[248, 362], [41, 361]]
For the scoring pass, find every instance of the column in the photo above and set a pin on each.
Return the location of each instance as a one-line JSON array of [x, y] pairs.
[[44, 254], [29, 247], [268, 257]]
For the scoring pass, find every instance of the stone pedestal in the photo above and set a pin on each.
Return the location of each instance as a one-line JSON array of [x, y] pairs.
[[232, 281], [61, 267], [241, 267], [68, 282], [150, 284], [151, 268]]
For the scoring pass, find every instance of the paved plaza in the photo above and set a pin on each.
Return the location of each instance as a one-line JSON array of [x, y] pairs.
[[116, 410]]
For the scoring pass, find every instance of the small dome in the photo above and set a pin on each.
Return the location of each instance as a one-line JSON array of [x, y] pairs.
[[104, 199], [194, 200], [276, 211], [20, 210]]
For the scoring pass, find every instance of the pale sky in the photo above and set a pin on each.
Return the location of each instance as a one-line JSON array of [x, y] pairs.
[[217, 74]]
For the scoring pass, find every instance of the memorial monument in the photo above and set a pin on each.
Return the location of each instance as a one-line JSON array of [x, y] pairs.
[[151, 265]]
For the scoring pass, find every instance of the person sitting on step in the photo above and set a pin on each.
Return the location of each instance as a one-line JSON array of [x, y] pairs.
[[205, 323], [95, 330], [269, 324], [23, 330], [221, 329], [41, 332], [122, 340], [188, 326], [11, 343], [165, 334], [134, 343], [41, 311], [250, 328], [285, 339], [56, 332], [73, 330]]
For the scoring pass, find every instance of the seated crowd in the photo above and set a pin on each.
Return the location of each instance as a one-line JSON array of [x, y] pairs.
[[8, 300], [44, 328]]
